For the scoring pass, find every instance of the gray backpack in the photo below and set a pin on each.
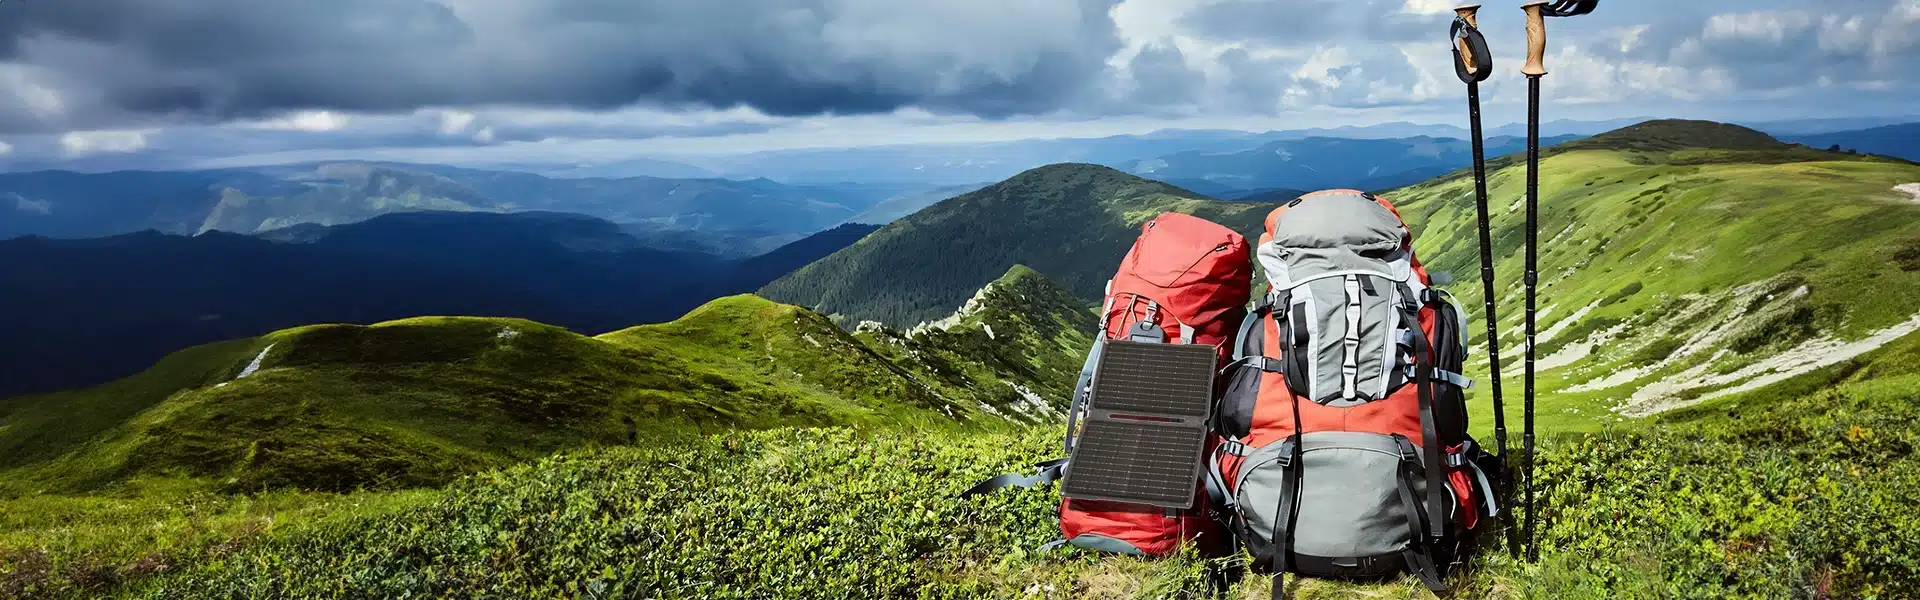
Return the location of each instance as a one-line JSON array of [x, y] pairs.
[[1345, 452]]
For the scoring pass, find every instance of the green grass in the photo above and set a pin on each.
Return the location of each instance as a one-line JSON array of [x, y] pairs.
[[41, 427], [1786, 495], [1636, 223], [421, 401]]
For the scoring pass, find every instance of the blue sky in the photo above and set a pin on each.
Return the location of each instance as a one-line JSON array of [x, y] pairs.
[[208, 82]]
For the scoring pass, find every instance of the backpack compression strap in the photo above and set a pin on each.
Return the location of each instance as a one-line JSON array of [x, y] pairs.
[[1419, 551], [1420, 555], [1049, 472]]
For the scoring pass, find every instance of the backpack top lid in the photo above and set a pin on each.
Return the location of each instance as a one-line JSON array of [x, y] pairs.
[[1176, 249], [1332, 233], [1183, 271]]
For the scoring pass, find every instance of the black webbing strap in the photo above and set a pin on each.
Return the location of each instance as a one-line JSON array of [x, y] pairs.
[[1049, 472], [1289, 491], [1418, 553], [1429, 434], [1081, 388], [1220, 501]]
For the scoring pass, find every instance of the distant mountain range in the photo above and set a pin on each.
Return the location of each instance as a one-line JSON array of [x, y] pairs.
[[1899, 141], [1321, 162], [83, 311], [963, 163], [73, 205], [1213, 163]]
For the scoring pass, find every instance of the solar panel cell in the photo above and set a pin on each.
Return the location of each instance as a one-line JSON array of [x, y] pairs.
[[1147, 425]]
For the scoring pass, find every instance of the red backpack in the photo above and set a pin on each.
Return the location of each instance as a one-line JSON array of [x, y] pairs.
[[1187, 277]]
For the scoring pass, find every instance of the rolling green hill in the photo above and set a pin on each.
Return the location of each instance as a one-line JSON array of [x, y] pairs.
[[420, 401], [1070, 221], [1685, 260]]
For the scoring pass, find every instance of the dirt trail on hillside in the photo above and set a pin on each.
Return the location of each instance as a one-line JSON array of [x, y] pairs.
[[1663, 395], [1912, 189]]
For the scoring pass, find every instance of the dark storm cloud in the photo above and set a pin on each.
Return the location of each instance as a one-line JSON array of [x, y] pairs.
[[1161, 77], [1310, 22], [119, 61], [1254, 85]]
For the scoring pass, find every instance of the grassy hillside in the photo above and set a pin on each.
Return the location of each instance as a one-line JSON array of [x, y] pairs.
[[420, 401], [1017, 346], [1801, 496], [1682, 260], [1070, 221]]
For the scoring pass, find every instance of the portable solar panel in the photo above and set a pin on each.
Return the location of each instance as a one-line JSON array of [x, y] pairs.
[[1146, 425]]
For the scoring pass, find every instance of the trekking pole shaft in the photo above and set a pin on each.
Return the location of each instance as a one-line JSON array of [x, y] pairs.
[[1535, 68], [1487, 289], [1531, 280]]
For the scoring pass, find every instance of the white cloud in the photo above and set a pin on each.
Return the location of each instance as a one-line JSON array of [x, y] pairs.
[[76, 143], [306, 120], [5, 148], [1630, 37], [1581, 77], [1428, 7], [454, 121], [484, 136], [1772, 26]]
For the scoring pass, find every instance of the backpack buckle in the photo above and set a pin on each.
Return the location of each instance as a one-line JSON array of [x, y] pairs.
[[1457, 456], [1286, 454], [1408, 453], [1233, 448]]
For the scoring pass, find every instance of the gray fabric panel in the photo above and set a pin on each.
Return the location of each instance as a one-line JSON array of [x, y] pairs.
[[1327, 320], [1349, 501], [1094, 541], [1333, 233], [1390, 365], [1315, 245]]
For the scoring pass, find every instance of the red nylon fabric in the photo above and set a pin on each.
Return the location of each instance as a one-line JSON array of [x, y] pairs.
[[1199, 272], [1195, 272]]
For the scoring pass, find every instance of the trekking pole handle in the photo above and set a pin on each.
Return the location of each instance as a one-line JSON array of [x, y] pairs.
[[1536, 40], [1471, 15]]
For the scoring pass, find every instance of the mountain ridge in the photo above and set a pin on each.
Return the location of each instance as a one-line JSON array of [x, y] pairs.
[[1071, 220]]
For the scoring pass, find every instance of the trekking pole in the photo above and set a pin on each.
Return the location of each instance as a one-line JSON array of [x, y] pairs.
[[1473, 62], [1535, 69]]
